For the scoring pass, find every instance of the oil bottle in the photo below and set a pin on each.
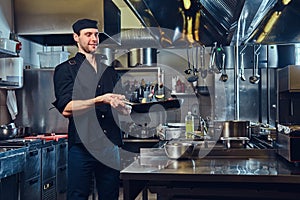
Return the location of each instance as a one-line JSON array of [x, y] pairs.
[[189, 125]]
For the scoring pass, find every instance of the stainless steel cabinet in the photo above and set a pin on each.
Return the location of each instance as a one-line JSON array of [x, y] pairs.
[[61, 170], [31, 179], [48, 171], [9, 188]]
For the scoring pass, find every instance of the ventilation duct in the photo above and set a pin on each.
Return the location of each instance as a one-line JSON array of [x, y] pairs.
[[138, 38], [142, 57]]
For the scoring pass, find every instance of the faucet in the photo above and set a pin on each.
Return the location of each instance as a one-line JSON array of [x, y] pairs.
[[202, 126]]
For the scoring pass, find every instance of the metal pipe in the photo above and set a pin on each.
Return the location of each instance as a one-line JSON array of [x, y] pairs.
[[236, 76], [149, 56]]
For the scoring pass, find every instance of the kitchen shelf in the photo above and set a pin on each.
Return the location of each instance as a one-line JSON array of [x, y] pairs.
[[142, 68], [182, 94]]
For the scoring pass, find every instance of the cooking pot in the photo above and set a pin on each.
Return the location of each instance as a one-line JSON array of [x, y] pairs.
[[235, 128], [7, 133]]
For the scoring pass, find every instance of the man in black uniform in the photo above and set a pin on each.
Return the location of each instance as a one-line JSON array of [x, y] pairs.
[[84, 91]]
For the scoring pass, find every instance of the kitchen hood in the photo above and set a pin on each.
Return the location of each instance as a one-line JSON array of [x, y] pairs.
[[226, 22], [251, 16], [49, 22], [200, 21], [281, 25]]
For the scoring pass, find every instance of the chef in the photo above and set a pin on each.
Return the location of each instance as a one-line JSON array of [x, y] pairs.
[[85, 91]]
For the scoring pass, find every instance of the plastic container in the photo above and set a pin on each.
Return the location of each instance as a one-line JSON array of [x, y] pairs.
[[189, 125], [8, 45], [11, 72], [52, 58]]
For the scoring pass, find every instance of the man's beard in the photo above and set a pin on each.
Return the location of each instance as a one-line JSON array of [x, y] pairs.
[[86, 49]]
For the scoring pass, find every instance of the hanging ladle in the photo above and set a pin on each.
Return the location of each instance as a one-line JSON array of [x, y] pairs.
[[224, 76], [212, 58], [243, 78], [242, 72], [188, 70], [194, 77], [255, 78], [202, 62], [219, 59]]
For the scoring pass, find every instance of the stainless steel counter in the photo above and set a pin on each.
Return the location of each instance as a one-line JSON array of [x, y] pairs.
[[249, 174], [12, 161]]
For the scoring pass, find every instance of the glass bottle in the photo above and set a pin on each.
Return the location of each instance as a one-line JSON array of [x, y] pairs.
[[189, 125]]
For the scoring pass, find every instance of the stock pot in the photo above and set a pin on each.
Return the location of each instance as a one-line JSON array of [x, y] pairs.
[[235, 128]]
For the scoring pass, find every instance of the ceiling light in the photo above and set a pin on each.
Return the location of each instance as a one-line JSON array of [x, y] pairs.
[[286, 2], [187, 4], [269, 26]]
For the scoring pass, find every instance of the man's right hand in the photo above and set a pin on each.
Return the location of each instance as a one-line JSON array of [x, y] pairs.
[[114, 100]]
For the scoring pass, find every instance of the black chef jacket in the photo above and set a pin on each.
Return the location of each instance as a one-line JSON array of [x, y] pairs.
[[76, 79]]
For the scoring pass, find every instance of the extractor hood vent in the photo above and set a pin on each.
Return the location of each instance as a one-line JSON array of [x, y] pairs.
[[281, 25], [201, 21], [49, 22]]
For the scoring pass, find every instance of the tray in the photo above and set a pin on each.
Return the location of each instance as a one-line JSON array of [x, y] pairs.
[[145, 107]]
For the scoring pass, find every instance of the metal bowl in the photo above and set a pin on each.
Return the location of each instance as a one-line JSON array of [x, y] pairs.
[[7, 133], [179, 150]]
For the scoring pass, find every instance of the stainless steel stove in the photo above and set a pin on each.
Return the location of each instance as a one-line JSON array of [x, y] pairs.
[[19, 142]]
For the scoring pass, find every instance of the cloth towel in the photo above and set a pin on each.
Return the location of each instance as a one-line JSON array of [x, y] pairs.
[[11, 102]]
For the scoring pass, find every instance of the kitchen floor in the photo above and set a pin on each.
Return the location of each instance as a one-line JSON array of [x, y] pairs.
[[139, 197]]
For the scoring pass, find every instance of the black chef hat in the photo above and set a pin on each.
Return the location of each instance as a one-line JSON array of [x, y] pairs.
[[84, 23]]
